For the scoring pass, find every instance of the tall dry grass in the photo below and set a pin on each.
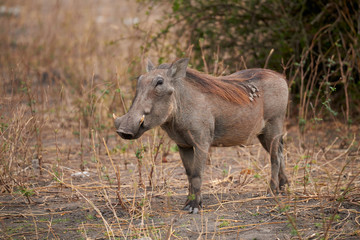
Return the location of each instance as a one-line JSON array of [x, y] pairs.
[[64, 66]]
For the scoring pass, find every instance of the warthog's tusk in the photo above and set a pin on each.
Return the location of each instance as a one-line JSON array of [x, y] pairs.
[[142, 119], [114, 116]]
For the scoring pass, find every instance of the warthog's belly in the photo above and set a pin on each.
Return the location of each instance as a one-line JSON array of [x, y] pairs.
[[237, 134]]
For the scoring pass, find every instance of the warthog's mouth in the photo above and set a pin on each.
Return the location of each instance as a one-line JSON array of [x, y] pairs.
[[125, 135], [129, 136]]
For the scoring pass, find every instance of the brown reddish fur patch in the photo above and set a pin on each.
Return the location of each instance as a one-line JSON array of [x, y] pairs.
[[232, 88]]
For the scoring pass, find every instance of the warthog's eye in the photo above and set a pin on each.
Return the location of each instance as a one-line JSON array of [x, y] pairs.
[[159, 81]]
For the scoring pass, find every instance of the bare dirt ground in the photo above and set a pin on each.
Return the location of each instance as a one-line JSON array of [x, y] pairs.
[[323, 197]]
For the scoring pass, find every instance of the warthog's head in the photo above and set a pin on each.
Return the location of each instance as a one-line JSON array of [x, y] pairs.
[[153, 102]]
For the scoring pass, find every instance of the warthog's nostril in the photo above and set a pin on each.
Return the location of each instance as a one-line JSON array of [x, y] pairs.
[[125, 135]]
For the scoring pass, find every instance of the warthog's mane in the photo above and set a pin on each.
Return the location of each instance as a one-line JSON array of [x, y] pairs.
[[237, 88]]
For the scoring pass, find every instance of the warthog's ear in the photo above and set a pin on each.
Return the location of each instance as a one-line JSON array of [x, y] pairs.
[[178, 68], [149, 66]]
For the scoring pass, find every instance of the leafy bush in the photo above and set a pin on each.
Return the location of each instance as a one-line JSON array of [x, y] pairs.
[[316, 43]]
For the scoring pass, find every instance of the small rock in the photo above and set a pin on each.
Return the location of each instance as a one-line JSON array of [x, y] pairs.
[[81, 174]]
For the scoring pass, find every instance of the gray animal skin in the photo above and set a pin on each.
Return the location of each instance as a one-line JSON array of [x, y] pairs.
[[199, 111]]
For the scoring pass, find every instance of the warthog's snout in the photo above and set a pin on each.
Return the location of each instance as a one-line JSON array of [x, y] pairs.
[[129, 128], [123, 133]]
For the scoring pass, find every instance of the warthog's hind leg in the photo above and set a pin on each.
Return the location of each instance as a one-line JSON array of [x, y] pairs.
[[271, 140], [283, 180]]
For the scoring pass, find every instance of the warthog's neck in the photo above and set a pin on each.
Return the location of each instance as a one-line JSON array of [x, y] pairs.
[[191, 115], [188, 101]]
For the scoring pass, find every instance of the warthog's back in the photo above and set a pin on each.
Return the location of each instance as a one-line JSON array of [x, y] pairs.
[[240, 87]]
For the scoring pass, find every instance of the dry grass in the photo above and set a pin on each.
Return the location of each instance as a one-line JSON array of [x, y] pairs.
[[65, 66]]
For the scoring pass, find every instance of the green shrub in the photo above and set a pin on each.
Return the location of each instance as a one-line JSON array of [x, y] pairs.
[[320, 36]]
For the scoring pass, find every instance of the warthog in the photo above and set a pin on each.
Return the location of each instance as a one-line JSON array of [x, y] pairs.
[[199, 111]]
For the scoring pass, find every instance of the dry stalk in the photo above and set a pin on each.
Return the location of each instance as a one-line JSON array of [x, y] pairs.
[[139, 157], [117, 171], [268, 58], [82, 164], [153, 160], [97, 159], [37, 127], [201, 44]]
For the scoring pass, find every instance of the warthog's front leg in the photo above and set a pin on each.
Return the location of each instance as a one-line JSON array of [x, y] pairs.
[[193, 159]]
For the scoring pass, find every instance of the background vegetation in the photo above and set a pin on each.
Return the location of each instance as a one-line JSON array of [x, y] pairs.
[[315, 43]]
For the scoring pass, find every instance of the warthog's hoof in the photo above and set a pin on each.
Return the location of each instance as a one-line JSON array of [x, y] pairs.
[[192, 206], [271, 192]]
